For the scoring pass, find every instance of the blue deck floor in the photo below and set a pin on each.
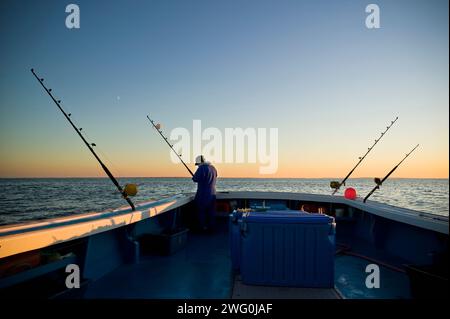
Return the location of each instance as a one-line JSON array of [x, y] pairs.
[[350, 274], [350, 278], [201, 270]]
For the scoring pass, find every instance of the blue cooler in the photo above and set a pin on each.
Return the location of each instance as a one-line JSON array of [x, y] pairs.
[[235, 239], [287, 249], [235, 232]]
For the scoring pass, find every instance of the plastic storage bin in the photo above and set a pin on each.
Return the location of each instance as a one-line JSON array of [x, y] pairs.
[[235, 232], [235, 239], [287, 250], [165, 243]]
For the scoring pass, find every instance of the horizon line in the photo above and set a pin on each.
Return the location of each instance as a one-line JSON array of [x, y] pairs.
[[219, 177]]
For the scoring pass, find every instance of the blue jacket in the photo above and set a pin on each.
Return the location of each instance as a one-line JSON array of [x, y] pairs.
[[205, 176]]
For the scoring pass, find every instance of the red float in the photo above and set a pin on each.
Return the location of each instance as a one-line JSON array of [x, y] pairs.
[[350, 193]]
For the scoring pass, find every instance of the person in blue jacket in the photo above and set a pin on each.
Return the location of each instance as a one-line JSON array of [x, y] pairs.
[[205, 198]]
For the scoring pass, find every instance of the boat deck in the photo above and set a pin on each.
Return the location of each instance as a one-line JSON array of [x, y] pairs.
[[241, 291], [203, 271]]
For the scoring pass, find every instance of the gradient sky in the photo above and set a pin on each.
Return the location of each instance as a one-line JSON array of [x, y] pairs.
[[310, 68]]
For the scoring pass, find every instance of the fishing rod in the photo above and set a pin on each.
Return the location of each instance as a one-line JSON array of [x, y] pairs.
[[336, 185], [130, 189], [380, 182], [158, 129]]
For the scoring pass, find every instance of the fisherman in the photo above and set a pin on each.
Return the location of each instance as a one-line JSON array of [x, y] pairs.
[[205, 198]]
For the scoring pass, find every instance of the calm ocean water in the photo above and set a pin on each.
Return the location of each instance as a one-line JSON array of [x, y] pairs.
[[28, 199]]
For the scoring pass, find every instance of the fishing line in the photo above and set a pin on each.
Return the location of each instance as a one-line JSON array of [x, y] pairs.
[[102, 153], [336, 185], [129, 189], [90, 140], [380, 182], [157, 127]]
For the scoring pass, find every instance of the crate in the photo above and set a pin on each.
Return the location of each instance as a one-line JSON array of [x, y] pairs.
[[164, 243], [235, 239], [287, 250], [235, 232]]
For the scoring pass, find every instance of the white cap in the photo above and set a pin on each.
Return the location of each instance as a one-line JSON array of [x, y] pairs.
[[199, 160]]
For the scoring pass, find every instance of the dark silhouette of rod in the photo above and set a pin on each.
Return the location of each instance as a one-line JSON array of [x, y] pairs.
[[363, 157], [170, 145], [380, 182], [78, 130]]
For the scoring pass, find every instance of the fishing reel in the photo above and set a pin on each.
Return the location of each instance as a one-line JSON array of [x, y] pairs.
[[335, 184], [130, 190], [377, 181]]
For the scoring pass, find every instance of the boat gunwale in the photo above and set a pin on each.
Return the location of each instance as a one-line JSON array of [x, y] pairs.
[[374, 207], [408, 216], [16, 237], [33, 237]]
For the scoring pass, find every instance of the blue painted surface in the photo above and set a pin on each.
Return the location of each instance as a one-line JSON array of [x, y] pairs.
[[235, 239], [273, 204], [235, 231], [350, 279], [416, 245], [36, 272], [288, 249], [406, 243], [201, 270], [103, 255]]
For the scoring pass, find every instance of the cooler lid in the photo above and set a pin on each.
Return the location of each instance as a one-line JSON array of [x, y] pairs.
[[286, 217]]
